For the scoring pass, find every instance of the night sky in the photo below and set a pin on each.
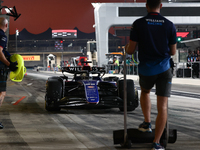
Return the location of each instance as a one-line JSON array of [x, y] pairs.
[[39, 15]]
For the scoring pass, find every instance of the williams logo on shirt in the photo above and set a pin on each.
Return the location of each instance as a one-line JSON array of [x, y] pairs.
[[155, 22], [3, 39]]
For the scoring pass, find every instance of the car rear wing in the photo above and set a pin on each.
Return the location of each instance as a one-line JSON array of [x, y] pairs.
[[79, 69]]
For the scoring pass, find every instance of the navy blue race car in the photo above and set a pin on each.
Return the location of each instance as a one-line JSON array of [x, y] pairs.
[[88, 88]]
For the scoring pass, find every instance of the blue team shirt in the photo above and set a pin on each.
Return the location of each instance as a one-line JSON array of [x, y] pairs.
[[3, 39], [154, 33]]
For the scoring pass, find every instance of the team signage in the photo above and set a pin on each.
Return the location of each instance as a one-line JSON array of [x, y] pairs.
[[79, 68], [31, 58]]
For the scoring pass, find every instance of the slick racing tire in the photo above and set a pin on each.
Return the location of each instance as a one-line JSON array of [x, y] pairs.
[[48, 106], [54, 90], [132, 100]]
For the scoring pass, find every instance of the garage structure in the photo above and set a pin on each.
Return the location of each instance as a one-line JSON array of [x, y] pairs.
[[109, 14]]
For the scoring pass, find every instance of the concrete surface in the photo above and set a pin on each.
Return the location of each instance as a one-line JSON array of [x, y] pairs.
[[28, 126]]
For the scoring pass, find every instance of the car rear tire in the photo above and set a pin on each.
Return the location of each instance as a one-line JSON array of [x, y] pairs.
[[132, 96]]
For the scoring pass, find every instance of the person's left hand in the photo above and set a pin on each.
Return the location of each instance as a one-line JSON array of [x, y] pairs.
[[13, 66]]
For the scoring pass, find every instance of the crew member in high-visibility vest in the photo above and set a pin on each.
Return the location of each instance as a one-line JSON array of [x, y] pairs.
[[116, 63]]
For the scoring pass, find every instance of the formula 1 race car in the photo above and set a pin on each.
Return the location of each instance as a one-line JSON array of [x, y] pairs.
[[88, 88]]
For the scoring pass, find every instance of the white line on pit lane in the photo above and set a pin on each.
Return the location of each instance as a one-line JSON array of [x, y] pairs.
[[26, 90], [42, 76]]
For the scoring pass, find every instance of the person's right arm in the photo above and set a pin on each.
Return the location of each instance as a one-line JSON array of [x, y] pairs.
[[3, 58], [131, 47], [172, 49], [173, 41]]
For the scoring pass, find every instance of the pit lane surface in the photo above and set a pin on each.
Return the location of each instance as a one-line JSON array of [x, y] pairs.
[[29, 126]]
